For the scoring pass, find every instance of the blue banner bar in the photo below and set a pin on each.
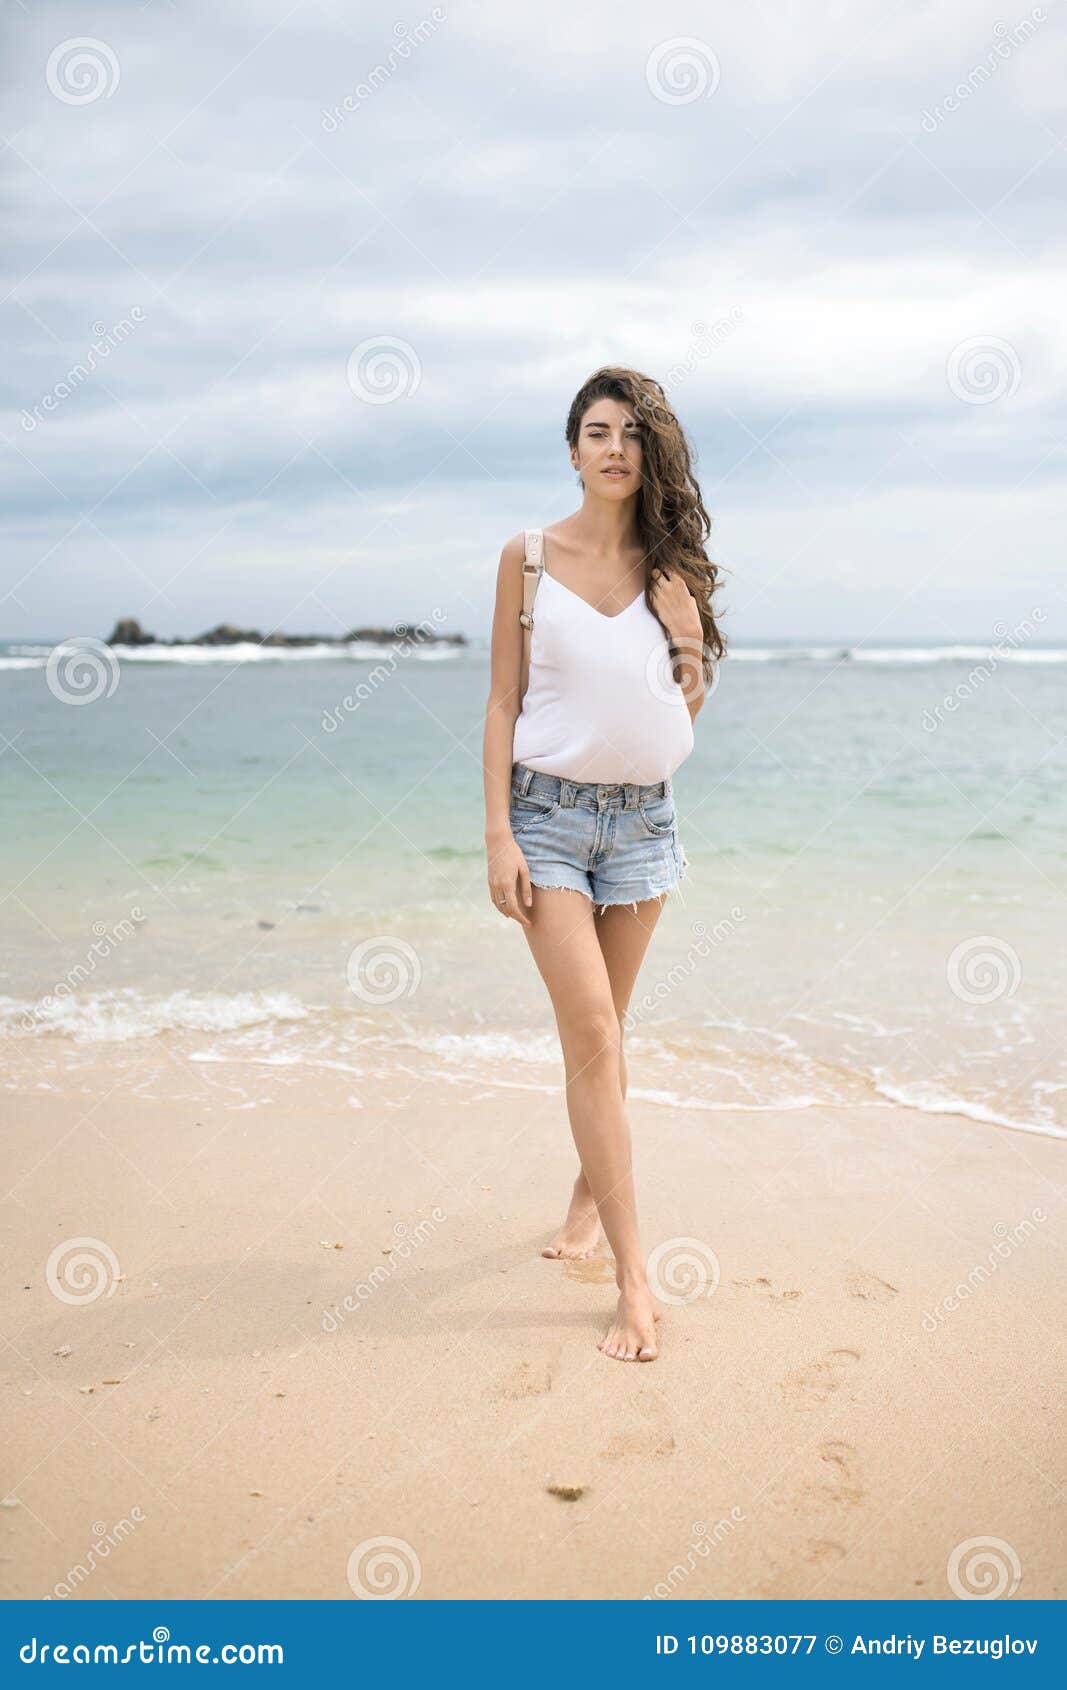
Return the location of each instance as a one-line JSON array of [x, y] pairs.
[[540, 1644]]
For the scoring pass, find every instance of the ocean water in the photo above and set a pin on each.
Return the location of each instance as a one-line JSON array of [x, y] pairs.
[[236, 871]]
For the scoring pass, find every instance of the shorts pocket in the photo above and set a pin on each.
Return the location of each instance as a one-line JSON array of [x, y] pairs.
[[659, 815], [527, 812]]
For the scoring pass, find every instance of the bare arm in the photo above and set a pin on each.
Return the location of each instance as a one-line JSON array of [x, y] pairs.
[[690, 673], [677, 609], [507, 865]]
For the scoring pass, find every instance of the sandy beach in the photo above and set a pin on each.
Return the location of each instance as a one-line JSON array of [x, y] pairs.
[[315, 316], [307, 1329]]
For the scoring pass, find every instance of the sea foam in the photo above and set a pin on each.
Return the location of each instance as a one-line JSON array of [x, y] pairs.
[[115, 1017]]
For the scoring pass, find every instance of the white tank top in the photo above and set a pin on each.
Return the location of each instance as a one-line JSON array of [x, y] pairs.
[[602, 703]]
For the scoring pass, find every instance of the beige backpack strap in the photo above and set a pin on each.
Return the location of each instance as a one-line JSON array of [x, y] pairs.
[[532, 568]]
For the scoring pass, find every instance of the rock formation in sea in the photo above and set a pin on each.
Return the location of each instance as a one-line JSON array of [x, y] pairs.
[[128, 632]]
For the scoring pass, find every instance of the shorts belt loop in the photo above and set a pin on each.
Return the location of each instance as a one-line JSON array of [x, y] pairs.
[[566, 793], [526, 780], [631, 790]]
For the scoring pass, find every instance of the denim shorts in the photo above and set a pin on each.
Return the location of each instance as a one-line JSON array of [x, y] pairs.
[[617, 844]]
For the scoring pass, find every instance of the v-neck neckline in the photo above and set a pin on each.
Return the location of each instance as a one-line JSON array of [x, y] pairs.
[[603, 614]]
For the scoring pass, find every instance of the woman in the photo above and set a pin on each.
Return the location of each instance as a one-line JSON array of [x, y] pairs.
[[581, 831]]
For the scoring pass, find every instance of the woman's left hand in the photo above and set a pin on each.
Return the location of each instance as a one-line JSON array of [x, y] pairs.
[[675, 605]]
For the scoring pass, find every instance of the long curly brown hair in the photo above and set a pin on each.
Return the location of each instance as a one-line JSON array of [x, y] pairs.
[[672, 522]]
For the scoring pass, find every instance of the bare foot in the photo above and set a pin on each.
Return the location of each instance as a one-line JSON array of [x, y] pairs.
[[632, 1334], [579, 1235]]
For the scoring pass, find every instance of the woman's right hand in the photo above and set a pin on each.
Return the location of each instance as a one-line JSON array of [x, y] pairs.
[[509, 880]]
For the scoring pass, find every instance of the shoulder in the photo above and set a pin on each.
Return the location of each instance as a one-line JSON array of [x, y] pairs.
[[514, 550], [509, 572]]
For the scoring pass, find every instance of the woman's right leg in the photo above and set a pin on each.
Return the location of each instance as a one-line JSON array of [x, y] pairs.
[[565, 945]]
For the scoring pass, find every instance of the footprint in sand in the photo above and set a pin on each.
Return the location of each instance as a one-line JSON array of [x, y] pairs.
[[595, 1270], [818, 1381], [529, 1379], [828, 1477], [838, 1480], [652, 1435], [860, 1283], [819, 1553], [623, 1444], [765, 1287], [839, 1477]]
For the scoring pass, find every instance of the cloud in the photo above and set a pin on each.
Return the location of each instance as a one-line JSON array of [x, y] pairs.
[[799, 251]]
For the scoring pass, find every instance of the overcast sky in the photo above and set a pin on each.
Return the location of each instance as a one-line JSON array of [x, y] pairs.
[[345, 272]]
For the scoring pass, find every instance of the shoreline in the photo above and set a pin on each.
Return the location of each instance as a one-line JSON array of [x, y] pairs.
[[248, 1048], [826, 1442]]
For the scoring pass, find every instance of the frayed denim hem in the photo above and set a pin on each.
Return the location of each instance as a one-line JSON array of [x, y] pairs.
[[558, 886], [609, 903], [621, 903]]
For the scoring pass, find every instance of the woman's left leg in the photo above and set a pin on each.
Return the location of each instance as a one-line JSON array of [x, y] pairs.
[[624, 933]]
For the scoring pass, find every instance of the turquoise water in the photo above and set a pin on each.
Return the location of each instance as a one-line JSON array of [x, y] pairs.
[[877, 872]]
